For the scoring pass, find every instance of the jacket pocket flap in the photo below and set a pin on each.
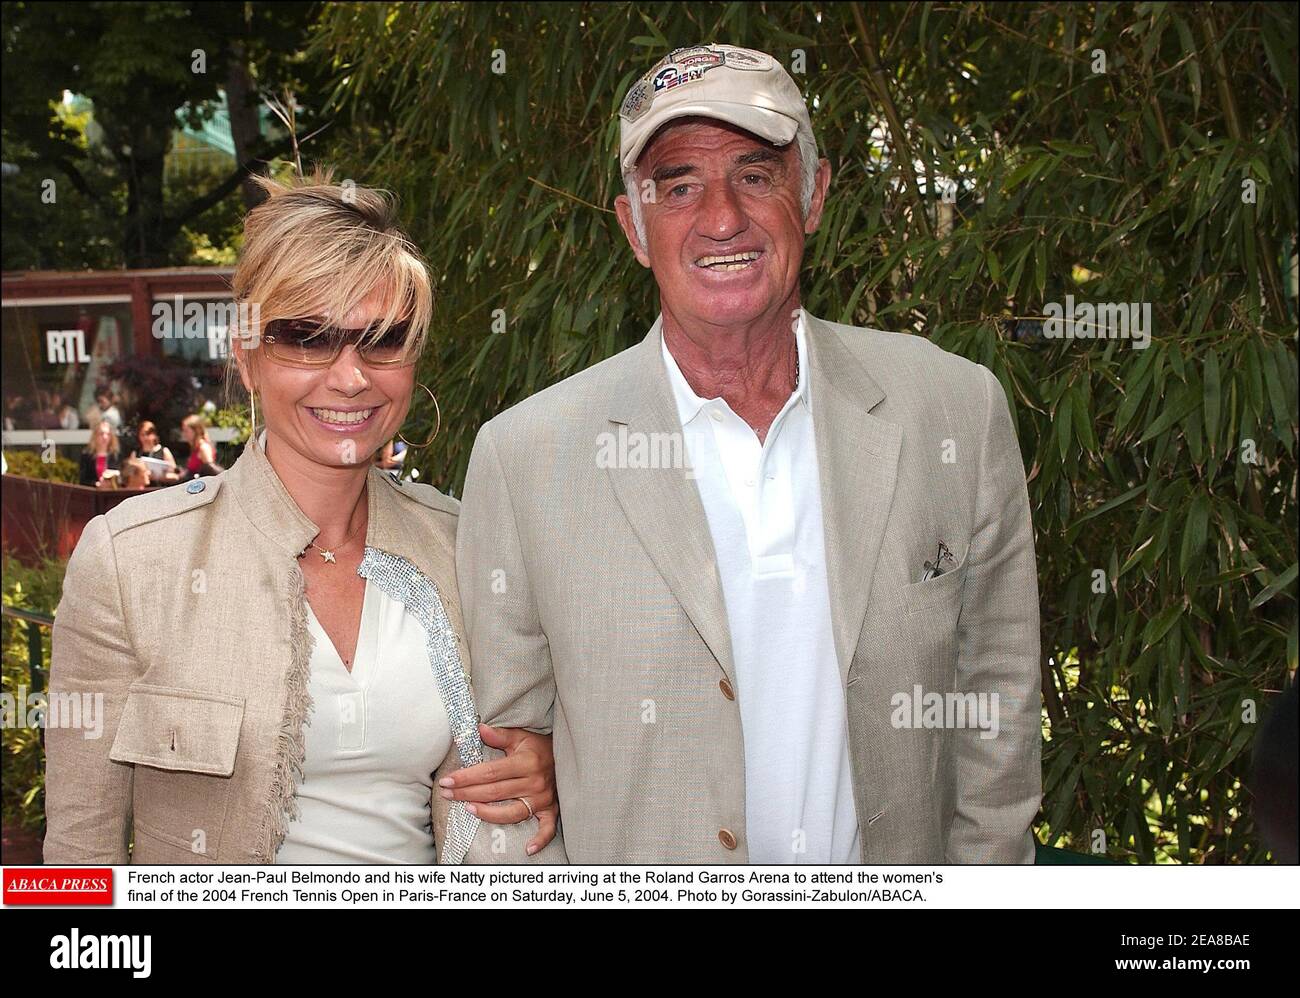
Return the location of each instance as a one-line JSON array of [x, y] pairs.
[[180, 729]]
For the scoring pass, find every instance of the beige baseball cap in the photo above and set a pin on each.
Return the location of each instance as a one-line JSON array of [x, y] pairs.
[[749, 89]]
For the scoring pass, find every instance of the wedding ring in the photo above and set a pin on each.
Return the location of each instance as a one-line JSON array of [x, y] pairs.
[[524, 800]]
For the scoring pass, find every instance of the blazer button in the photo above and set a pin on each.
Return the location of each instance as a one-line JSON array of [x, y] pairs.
[[727, 691], [727, 839]]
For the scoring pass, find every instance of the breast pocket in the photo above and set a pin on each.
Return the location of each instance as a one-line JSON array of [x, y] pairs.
[[932, 609], [183, 744], [936, 593]]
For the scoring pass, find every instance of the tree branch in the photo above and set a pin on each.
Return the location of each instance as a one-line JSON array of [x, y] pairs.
[[213, 197]]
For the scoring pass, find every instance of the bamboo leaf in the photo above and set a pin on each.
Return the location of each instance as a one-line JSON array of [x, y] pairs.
[[1063, 424], [1160, 625], [1276, 586], [1213, 399], [1198, 518]]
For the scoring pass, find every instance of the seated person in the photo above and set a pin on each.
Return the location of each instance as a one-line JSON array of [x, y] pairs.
[[151, 446], [100, 455], [135, 474]]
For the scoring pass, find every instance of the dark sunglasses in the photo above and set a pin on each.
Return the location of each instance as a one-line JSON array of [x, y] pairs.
[[314, 343]]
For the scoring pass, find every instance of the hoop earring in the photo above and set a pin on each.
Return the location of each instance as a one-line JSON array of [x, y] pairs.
[[437, 426]]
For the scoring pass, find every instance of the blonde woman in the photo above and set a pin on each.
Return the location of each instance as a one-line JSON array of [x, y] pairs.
[[279, 648], [102, 454]]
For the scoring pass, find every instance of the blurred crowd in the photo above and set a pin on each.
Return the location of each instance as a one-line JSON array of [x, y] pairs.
[[150, 462], [49, 410]]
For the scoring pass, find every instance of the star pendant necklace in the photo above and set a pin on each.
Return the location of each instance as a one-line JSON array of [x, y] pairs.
[[327, 556]]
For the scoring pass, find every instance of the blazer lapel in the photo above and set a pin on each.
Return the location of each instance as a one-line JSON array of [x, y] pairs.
[[857, 458], [663, 503]]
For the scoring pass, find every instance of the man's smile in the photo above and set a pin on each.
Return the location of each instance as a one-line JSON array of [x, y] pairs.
[[729, 261], [734, 269]]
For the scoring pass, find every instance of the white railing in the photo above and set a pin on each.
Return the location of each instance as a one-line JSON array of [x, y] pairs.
[[68, 438]]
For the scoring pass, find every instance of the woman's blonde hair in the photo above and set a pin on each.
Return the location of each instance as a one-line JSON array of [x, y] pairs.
[[314, 248], [114, 445]]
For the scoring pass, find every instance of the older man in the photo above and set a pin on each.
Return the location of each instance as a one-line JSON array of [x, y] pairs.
[[769, 579]]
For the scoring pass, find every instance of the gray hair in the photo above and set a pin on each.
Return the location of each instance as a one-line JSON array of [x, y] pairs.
[[808, 160]]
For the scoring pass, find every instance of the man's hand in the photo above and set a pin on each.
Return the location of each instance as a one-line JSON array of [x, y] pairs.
[[527, 770]]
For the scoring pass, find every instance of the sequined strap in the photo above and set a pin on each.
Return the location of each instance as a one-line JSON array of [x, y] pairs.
[[406, 584]]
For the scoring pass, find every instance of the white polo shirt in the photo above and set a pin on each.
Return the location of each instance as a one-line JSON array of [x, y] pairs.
[[763, 503]]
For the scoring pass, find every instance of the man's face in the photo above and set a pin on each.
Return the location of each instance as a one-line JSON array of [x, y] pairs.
[[724, 227]]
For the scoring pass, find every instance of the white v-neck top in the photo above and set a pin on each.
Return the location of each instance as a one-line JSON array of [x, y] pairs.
[[373, 741]]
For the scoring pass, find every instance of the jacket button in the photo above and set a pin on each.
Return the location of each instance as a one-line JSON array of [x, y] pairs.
[[195, 487], [727, 839], [727, 691]]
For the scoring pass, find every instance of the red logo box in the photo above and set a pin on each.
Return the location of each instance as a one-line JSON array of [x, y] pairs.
[[58, 885]]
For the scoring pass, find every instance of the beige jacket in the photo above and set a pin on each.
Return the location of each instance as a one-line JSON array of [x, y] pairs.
[[185, 609], [595, 590]]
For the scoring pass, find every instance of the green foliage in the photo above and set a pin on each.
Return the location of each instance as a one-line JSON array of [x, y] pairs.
[[236, 417], [212, 237], [35, 589], [1117, 186], [139, 64], [29, 464], [77, 231]]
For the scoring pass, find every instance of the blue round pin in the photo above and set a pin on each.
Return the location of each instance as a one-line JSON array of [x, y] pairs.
[[195, 486]]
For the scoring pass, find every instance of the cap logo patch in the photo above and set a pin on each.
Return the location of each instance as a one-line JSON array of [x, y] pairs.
[[741, 59], [679, 66], [637, 100], [674, 76]]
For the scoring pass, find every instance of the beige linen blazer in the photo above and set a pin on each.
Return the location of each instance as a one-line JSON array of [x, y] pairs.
[[186, 610], [595, 609]]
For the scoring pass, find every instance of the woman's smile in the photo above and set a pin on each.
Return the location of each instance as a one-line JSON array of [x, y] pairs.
[[346, 419]]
